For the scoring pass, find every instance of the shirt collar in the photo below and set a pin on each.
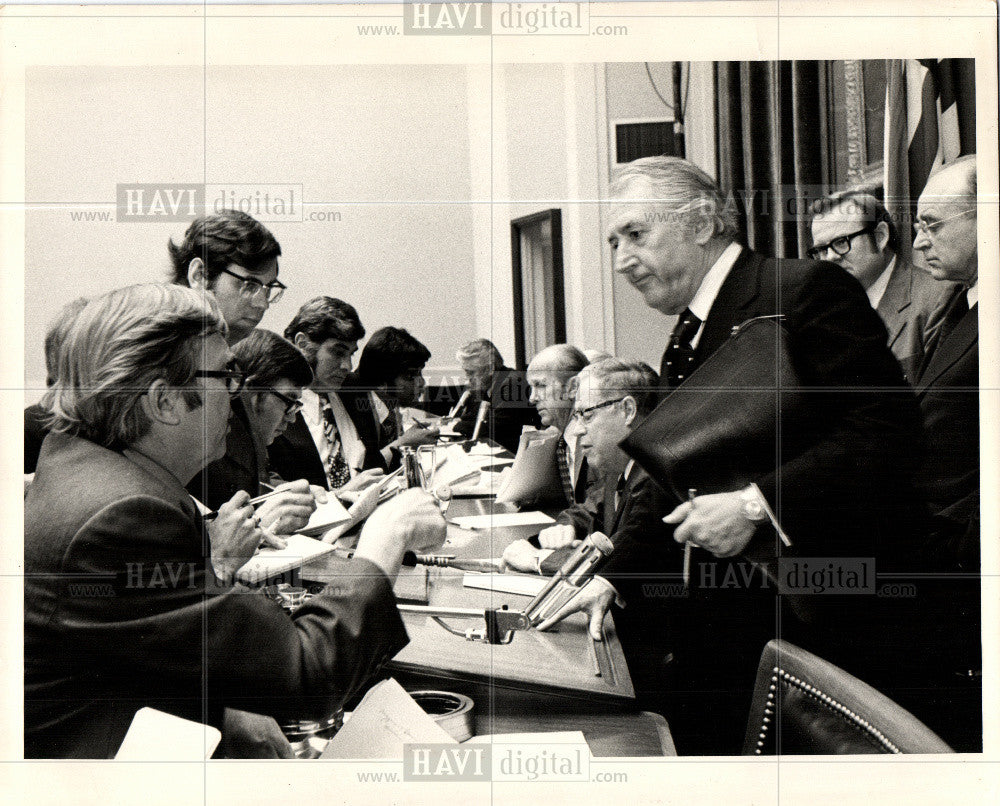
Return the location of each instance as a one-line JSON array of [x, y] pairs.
[[973, 294], [877, 289], [312, 406], [704, 298]]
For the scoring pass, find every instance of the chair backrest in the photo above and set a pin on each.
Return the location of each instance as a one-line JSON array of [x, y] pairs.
[[804, 705]]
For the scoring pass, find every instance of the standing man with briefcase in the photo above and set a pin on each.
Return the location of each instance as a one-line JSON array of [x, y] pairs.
[[836, 477]]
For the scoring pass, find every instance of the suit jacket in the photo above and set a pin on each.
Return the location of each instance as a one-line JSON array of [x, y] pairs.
[[122, 611], [509, 412], [841, 486], [842, 482], [242, 468], [34, 435], [293, 455], [948, 393], [909, 300]]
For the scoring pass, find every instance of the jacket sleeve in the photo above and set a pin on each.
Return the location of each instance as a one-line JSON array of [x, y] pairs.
[[168, 618], [860, 440]]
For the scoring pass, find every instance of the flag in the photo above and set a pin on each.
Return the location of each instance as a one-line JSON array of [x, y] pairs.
[[930, 119]]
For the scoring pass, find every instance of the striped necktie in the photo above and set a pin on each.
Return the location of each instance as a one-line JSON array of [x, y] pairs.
[[562, 462], [337, 471]]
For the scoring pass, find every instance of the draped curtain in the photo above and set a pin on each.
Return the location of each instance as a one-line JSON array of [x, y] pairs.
[[770, 148]]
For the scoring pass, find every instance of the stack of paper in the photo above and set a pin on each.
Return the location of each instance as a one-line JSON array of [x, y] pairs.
[[269, 562]]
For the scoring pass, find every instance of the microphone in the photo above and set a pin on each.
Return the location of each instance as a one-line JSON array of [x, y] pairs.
[[579, 567], [460, 404], [484, 408]]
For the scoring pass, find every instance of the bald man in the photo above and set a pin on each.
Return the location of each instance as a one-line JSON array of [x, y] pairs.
[[551, 378]]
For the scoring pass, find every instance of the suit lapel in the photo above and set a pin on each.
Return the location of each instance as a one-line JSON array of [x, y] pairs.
[[895, 300], [733, 304], [962, 339]]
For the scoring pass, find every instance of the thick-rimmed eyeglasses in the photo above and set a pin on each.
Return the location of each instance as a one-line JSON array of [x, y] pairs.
[[586, 416], [234, 378], [292, 405], [841, 246], [250, 287], [927, 228]]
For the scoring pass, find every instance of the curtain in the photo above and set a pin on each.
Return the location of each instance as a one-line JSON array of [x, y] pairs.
[[930, 119], [770, 148]]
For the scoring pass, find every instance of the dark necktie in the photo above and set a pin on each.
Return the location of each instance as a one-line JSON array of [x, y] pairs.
[[337, 471], [562, 462], [679, 357]]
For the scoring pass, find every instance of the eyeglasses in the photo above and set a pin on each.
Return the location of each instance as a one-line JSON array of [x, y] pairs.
[[250, 287], [292, 405], [927, 229], [234, 378], [586, 416], [841, 246]]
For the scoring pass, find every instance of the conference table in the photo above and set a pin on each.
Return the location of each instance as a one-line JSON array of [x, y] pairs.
[[540, 681]]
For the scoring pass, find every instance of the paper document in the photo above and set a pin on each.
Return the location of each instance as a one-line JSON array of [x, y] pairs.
[[485, 449], [325, 517], [534, 475], [270, 562], [505, 583], [385, 720], [158, 736], [503, 519]]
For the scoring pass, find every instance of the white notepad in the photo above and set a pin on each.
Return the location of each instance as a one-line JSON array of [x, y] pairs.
[[325, 517], [158, 736], [534, 518], [270, 562], [505, 583]]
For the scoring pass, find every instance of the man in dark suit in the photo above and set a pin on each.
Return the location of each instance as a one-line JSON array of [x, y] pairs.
[[854, 230], [505, 389], [123, 608], [234, 258], [947, 389], [333, 442], [610, 398], [551, 379], [839, 479]]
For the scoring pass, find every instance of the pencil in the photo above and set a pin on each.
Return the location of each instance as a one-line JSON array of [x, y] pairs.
[[687, 545], [260, 499]]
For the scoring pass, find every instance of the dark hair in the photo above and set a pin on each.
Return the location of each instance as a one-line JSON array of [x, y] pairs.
[[227, 237], [389, 353], [868, 209], [267, 358], [323, 318]]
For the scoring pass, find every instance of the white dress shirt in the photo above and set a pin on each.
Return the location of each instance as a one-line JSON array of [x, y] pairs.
[[312, 413], [704, 297]]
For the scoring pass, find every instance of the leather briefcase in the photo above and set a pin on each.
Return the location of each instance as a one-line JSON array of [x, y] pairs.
[[721, 428]]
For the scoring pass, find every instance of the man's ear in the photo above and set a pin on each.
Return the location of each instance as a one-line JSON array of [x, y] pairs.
[[197, 274], [253, 401], [163, 403], [302, 341], [881, 235], [631, 409], [704, 230]]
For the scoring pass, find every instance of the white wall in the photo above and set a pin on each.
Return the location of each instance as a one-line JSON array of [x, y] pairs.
[[386, 147], [425, 166]]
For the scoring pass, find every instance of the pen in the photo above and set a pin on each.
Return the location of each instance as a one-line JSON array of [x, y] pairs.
[[687, 545], [260, 499]]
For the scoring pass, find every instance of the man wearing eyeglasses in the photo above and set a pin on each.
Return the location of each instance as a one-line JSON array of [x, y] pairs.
[[947, 388], [854, 230], [234, 257], [122, 610]]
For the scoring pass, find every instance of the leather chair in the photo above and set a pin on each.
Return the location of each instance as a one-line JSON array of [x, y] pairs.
[[804, 705]]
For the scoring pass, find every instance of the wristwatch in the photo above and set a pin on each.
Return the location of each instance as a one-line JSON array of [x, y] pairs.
[[752, 510]]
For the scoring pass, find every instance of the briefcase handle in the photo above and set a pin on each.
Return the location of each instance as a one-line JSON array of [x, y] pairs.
[[737, 329]]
